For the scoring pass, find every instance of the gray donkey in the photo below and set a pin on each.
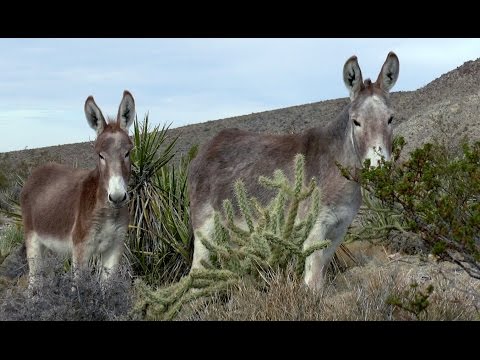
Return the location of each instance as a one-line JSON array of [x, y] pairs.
[[362, 130]]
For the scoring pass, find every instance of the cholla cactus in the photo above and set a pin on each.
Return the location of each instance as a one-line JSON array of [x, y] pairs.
[[271, 241]]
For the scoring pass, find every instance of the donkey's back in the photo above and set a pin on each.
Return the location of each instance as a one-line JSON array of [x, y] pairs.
[[238, 154], [52, 176], [52, 189]]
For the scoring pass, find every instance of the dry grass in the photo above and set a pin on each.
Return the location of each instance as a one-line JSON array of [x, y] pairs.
[[55, 300], [361, 293]]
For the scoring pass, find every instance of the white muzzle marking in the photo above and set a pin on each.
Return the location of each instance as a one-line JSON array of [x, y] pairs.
[[375, 155], [117, 189]]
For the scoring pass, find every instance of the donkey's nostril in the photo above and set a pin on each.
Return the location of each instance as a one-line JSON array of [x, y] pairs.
[[116, 198]]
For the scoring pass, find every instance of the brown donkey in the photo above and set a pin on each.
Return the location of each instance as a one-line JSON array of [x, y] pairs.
[[82, 212], [362, 130]]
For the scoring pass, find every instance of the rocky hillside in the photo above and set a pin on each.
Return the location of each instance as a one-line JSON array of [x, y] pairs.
[[445, 109]]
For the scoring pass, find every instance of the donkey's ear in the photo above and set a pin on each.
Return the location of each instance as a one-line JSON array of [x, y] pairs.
[[352, 77], [126, 111], [389, 74], [94, 115]]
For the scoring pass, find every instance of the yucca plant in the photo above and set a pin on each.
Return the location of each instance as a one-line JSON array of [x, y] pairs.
[[173, 217], [159, 246], [151, 152]]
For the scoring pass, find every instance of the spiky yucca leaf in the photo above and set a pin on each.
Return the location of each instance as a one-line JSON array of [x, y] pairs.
[[160, 234], [151, 153]]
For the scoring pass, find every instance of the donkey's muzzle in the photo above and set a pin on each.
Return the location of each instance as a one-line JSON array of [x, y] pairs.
[[118, 199]]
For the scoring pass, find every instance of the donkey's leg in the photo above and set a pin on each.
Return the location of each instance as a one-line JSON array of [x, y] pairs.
[[80, 258], [35, 251], [110, 260], [316, 265], [200, 252]]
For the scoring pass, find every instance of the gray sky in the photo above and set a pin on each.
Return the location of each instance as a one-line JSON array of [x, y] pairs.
[[44, 82]]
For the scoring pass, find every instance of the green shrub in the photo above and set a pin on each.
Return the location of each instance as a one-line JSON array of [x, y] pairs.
[[414, 300], [434, 193]]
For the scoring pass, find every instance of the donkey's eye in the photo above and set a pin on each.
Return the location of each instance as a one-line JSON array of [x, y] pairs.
[[127, 154], [356, 122], [390, 119], [101, 157]]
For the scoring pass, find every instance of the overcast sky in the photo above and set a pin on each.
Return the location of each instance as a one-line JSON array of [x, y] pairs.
[[44, 82]]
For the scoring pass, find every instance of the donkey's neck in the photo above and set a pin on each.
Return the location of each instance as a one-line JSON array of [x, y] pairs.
[[93, 193], [89, 192], [332, 142], [326, 146]]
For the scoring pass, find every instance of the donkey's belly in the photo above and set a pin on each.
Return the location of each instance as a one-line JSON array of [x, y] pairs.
[[56, 244]]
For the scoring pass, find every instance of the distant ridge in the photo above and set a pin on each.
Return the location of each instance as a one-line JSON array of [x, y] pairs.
[[447, 106]]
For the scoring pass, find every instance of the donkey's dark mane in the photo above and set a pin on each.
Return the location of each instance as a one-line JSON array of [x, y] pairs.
[[111, 121], [338, 126]]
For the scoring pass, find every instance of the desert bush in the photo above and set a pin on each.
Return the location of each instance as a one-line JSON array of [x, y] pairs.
[[434, 193], [10, 238], [272, 241], [55, 299], [4, 182], [7, 172], [10, 201], [382, 224], [413, 300]]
